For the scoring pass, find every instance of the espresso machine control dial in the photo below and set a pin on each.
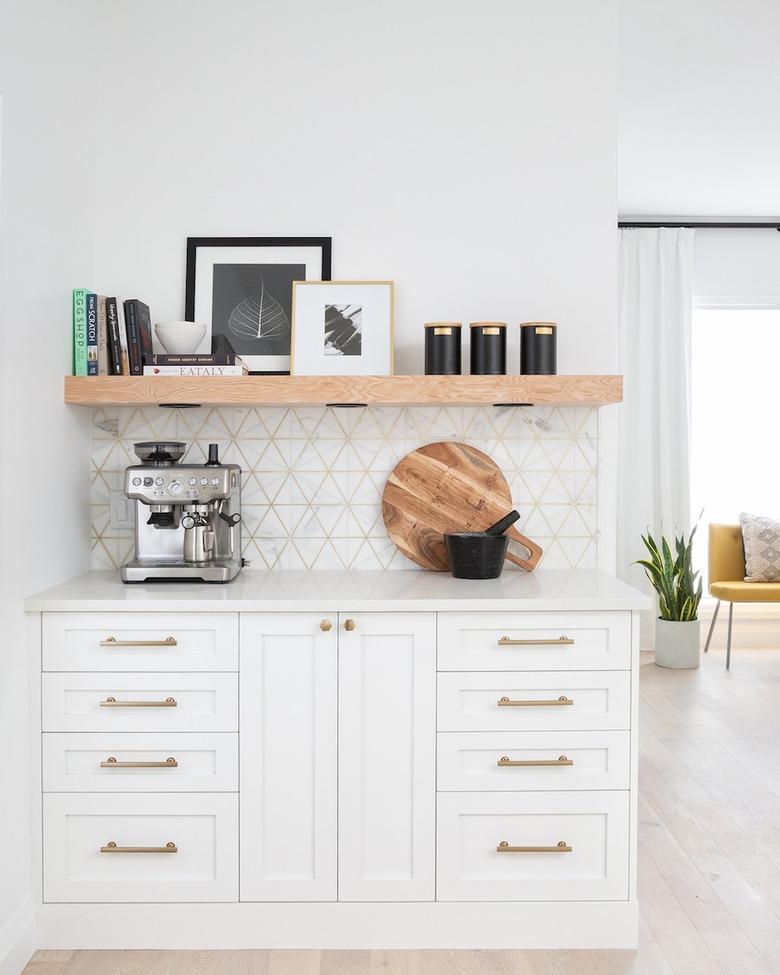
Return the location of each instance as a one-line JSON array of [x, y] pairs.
[[175, 488]]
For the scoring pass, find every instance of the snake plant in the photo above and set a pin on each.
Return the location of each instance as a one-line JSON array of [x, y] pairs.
[[671, 575]]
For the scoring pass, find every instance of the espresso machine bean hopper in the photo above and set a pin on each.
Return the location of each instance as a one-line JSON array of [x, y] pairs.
[[187, 516]]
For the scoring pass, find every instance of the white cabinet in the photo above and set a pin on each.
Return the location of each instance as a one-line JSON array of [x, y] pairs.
[[539, 846], [140, 702], [530, 761], [534, 641], [482, 762], [576, 700], [288, 757], [387, 761], [140, 641], [122, 848], [136, 762]]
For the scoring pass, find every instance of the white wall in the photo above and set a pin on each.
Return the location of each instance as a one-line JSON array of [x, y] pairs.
[[699, 102], [466, 150], [46, 179], [737, 267]]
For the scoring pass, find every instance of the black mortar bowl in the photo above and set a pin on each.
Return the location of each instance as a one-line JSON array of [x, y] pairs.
[[476, 555], [480, 555]]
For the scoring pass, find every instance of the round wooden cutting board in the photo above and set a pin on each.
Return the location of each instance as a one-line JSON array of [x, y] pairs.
[[447, 487]]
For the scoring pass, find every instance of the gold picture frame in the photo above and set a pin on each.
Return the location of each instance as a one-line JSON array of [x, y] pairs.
[[336, 285]]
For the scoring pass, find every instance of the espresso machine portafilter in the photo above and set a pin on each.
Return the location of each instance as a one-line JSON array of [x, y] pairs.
[[188, 516]]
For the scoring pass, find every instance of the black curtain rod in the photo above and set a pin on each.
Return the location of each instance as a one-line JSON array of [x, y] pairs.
[[705, 224]]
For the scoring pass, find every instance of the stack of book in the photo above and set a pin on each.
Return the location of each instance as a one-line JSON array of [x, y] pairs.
[[113, 338]]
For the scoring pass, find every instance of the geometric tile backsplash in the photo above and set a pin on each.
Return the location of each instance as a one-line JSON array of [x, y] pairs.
[[313, 476]]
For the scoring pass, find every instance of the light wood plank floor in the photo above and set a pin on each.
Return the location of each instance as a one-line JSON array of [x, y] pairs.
[[709, 854]]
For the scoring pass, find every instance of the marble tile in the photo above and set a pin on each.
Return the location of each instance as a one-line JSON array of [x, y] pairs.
[[313, 476]]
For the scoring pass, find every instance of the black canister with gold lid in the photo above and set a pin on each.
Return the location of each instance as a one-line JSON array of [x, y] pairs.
[[442, 348], [538, 349], [488, 348]]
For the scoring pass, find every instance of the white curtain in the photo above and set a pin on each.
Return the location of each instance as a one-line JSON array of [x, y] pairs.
[[655, 301]]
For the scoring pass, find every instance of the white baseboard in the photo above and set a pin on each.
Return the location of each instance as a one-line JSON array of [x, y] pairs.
[[581, 924], [18, 939]]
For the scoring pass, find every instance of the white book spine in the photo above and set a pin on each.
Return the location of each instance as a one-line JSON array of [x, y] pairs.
[[194, 371]]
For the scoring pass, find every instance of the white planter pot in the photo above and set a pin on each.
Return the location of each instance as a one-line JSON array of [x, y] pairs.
[[677, 644]]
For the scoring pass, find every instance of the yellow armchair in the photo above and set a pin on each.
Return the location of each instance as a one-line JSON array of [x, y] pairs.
[[727, 578]]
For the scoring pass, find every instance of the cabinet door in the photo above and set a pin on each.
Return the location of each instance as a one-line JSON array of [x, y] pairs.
[[287, 746], [387, 756]]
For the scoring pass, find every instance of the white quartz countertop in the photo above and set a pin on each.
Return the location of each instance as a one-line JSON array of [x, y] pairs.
[[285, 591]]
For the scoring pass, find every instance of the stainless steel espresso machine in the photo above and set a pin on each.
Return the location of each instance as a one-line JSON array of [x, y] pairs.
[[187, 516]]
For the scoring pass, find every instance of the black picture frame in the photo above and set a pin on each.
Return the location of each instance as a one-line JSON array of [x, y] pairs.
[[324, 244]]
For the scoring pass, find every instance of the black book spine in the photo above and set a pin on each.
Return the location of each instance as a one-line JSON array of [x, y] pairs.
[[144, 324], [114, 341], [133, 338]]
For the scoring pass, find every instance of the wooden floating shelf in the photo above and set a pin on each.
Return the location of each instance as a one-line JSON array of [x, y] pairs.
[[343, 390]]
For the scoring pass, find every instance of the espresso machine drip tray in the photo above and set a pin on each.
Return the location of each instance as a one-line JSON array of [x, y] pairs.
[[216, 570]]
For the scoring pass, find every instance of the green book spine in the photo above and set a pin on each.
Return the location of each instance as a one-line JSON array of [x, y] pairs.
[[79, 331]]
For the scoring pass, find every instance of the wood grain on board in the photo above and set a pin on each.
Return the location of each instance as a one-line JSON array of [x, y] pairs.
[[320, 390], [447, 487]]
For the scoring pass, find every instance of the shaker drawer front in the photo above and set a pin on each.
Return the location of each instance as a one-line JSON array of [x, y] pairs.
[[519, 761], [546, 846], [149, 702], [121, 642], [586, 701], [133, 762], [534, 641], [118, 849]]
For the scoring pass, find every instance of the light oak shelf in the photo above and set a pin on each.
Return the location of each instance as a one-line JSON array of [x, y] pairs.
[[343, 390]]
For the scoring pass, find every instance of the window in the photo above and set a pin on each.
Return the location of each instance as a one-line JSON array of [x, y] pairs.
[[735, 399]]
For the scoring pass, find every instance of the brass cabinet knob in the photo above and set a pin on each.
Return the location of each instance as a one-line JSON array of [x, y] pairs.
[[349, 625], [326, 625]]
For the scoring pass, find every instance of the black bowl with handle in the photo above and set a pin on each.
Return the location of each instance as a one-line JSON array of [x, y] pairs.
[[479, 555]]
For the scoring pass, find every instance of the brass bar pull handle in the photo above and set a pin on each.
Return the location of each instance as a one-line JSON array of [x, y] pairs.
[[111, 847], [111, 641], [504, 847], [562, 641], [561, 702], [111, 762], [506, 762], [111, 702]]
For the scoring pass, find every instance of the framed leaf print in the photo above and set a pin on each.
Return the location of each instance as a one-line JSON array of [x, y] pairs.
[[241, 287]]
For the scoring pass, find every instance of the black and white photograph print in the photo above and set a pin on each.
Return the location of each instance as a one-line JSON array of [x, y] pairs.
[[241, 288], [342, 328]]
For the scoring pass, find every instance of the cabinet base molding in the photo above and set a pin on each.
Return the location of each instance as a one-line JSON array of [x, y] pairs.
[[573, 924]]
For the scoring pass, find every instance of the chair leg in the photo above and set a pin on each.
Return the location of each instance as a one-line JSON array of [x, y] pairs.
[[712, 626], [728, 643]]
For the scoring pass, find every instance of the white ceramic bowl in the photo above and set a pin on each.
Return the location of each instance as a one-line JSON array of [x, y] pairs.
[[180, 338]]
